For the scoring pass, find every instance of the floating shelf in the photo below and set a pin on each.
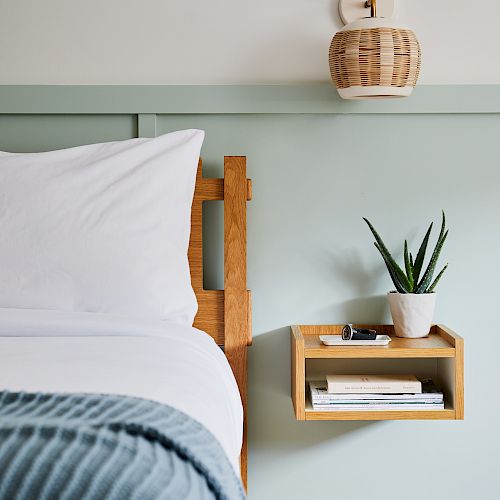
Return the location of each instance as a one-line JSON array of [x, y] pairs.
[[442, 345]]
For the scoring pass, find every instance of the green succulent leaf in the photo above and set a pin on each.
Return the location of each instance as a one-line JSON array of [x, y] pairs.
[[399, 287], [427, 277], [419, 261], [407, 281], [436, 281], [443, 225], [408, 266], [389, 260]]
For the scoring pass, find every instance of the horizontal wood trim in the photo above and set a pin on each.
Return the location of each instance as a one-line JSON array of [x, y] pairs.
[[212, 189], [381, 415], [237, 99], [378, 352]]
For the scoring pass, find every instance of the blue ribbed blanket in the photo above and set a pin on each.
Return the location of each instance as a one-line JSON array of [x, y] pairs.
[[90, 447]]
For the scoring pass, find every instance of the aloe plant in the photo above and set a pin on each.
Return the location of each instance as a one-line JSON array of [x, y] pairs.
[[411, 279]]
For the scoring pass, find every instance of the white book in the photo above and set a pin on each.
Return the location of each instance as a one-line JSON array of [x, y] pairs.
[[373, 402], [370, 384], [319, 392], [370, 407]]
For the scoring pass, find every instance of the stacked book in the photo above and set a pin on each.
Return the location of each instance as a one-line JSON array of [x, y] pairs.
[[375, 392]]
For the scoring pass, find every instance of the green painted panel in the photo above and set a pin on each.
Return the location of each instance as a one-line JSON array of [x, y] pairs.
[[195, 99], [32, 133], [311, 260]]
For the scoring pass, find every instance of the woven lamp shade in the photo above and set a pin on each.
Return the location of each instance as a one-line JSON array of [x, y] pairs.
[[374, 58]]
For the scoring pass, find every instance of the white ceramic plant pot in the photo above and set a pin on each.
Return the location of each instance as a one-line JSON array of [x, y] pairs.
[[412, 313]]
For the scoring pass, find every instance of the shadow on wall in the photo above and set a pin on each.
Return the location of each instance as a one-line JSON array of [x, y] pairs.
[[363, 310], [369, 310], [351, 272], [271, 419]]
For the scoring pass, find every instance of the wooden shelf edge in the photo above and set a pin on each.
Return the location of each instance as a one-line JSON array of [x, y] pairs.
[[446, 414], [451, 336], [298, 372], [441, 343], [377, 352]]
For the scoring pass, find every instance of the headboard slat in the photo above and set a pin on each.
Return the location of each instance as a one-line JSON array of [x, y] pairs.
[[236, 296]]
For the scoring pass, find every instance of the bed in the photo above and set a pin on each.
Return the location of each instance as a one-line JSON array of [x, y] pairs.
[[82, 372]]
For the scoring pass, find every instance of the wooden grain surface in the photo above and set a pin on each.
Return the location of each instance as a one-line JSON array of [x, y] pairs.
[[446, 414], [236, 297], [459, 380], [298, 373], [210, 317], [225, 314], [451, 372]]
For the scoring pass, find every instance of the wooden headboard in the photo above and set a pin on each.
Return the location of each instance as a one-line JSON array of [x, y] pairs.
[[225, 314]]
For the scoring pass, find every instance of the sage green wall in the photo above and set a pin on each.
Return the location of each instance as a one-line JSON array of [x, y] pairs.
[[311, 260]]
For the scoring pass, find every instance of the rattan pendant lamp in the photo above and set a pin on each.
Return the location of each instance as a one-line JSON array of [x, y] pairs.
[[373, 57]]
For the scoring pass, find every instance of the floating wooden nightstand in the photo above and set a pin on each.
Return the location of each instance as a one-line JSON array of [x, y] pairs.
[[439, 356]]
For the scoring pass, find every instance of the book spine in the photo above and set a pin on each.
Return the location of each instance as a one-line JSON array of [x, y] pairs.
[[386, 388]]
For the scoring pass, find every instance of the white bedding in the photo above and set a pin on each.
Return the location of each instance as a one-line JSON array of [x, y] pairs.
[[100, 353]]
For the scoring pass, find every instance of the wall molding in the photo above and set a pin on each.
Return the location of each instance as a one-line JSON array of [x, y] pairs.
[[237, 99]]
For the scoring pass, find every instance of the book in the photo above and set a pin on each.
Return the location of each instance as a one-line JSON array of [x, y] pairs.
[[383, 407], [430, 392], [370, 384]]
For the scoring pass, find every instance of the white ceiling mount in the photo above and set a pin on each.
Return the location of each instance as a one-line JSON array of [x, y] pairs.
[[352, 10]]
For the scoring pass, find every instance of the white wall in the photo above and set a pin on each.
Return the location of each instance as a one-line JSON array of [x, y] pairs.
[[225, 41]]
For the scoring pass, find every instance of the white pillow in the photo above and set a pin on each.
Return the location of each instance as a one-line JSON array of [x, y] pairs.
[[102, 228]]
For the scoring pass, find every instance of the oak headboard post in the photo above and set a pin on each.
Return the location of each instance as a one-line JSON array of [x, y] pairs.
[[225, 314], [236, 296]]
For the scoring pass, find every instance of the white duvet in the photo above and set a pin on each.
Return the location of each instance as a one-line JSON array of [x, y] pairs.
[[89, 352]]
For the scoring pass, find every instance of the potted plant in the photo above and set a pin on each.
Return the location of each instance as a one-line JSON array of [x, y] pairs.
[[412, 303]]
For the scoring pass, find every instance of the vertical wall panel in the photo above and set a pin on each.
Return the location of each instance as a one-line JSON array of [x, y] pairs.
[[146, 125]]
